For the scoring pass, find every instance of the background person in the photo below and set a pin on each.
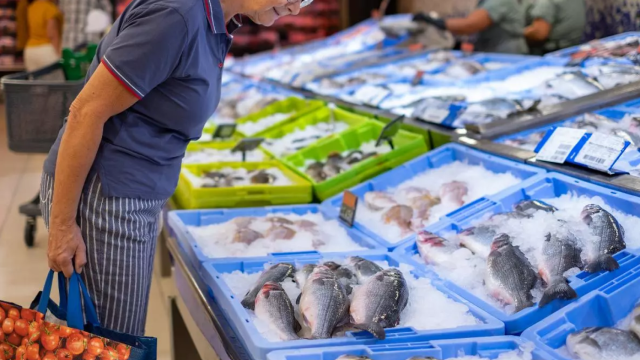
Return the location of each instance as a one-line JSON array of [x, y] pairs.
[[556, 24], [44, 44], [75, 21]]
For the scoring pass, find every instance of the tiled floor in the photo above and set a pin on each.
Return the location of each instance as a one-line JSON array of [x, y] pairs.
[[22, 270]]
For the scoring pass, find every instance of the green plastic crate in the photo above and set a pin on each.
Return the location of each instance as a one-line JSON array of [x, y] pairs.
[[436, 139], [188, 196], [297, 106], [321, 115], [406, 147], [222, 145]]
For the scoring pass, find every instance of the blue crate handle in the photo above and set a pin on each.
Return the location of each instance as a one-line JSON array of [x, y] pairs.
[[72, 302]]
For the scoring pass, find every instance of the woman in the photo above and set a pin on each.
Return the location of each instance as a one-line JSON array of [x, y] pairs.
[[556, 24], [498, 23], [45, 31], [152, 86]]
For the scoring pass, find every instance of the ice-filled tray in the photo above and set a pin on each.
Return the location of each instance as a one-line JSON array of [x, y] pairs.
[[445, 165], [631, 39], [473, 228], [229, 280], [220, 151], [486, 348], [613, 305], [195, 228], [275, 115]]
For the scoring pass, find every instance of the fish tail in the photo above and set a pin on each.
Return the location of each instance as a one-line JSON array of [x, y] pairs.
[[557, 290], [374, 328], [602, 262]]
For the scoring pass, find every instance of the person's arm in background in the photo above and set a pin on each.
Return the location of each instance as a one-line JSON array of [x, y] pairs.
[[475, 22], [54, 35], [78, 148], [538, 31]]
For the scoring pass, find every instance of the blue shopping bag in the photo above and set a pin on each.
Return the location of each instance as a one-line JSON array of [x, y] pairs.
[[77, 309]]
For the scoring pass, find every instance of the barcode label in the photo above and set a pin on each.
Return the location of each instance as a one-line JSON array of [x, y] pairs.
[[594, 159], [559, 145], [601, 151]]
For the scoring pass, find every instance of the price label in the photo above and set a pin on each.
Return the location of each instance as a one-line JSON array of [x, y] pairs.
[[434, 115], [601, 151], [224, 131], [246, 145], [389, 131], [417, 77], [348, 208], [371, 95], [560, 144]]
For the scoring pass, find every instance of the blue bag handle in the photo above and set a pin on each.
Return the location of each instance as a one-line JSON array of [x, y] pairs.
[[62, 289], [75, 315]]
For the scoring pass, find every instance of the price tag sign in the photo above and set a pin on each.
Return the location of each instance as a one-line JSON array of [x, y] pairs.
[[389, 131], [417, 77], [601, 151], [559, 145], [246, 145], [224, 131], [348, 208]]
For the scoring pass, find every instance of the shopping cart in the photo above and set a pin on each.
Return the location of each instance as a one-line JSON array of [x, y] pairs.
[[35, 109]]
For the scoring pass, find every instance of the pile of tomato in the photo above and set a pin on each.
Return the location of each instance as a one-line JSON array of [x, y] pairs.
[[26, 336]]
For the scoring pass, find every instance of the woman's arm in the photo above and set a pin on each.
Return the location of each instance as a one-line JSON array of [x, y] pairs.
[[102, 97], [474, 23], [53, 33], [538, 31]]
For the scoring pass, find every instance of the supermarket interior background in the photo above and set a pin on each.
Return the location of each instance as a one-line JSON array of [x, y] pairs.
[[444, 152]]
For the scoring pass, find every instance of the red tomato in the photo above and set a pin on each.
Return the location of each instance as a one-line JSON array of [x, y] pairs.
[[124, 351], [2, 335], [24, 342], [14, 339], [39, 317], [34, 332], [5, 306], [3, 315], [95, 346], [49, 355], [7, 325], [21, 353], [109, 354], [33, 352], [87, 356], [13, 313], [75, 344], [50, 339], [65, 331], [7, 350], [21, 327], [27, 314], [63, 354]]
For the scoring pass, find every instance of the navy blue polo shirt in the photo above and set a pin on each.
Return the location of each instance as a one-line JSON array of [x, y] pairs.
[[169, 54]]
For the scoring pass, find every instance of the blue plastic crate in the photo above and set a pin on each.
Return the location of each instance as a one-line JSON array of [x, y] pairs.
[[504, 73], [540, 187], [484, 58], [434, 159], [610, 304], [258, 346], [487, 347], [180, 220], [632, 104], [570, 50]]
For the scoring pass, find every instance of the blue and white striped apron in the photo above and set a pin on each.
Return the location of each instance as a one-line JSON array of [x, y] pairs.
[[120, 235]]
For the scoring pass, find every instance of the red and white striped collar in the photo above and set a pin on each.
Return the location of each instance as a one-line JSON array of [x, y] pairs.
[[215, 16]]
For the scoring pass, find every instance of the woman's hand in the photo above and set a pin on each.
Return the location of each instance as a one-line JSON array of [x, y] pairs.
[[66, 246]]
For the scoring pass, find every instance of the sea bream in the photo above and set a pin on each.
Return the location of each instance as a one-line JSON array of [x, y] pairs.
[[324, 303], [530, 207], [609, 238], [276, 274], [377, 303], [274, 307], [510, 276], [603, 343], [479, 238], [434, 249], [560, 253], [363, 268]]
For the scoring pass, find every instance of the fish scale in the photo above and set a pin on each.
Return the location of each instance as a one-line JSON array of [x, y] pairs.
[[274, 306], [610, 238], [324, 303], [276, 273], [559, 254]]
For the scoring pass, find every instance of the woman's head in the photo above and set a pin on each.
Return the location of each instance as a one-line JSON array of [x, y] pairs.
[[266, 12]]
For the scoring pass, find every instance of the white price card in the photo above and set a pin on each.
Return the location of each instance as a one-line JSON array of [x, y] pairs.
[[434, 115], [600, 151], [559, 145], [370, 94]]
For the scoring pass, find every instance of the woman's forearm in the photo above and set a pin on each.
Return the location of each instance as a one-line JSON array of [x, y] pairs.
[[477, 21]]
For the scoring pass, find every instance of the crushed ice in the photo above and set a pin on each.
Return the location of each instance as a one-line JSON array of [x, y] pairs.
[[301, 138], [253, 127], [239, 176], [209, 155], [525, 352]]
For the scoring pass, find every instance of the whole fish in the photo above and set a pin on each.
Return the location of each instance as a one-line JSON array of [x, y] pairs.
[[243, 221], [246, 236], [635, 321], [610, 238], [422, 205], [378, 200], [347, 278], [559, 254], [315, 172], [324, 303], [433, 248], [276, 273], [280, 232], [454, 192], [478, 239], [400, 215], [377, 303], [353, 357], [532, 206], [510, 276], [302, 275], [274, 307], [602, 343], [364, 268]]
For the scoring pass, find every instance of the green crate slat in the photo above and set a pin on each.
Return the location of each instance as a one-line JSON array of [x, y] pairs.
[[298, 107], [221, 145]]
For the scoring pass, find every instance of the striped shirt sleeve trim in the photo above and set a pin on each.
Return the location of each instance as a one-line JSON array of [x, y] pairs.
[[127, 85]]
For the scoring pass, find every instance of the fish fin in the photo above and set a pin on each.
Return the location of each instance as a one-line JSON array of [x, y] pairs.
[[296, 325], [298, 299], [558, 290], [374, 328], [248, 304], [602, 262]]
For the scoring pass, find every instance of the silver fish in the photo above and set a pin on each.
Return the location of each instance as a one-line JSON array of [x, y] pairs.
[[635, 321], [478, 239], [315, 172], [353, 357], [560, 253], [461, 69], [510, 276], [627, 135], [274, 307], [433, 248], [602, 343], [610, 238], [347, 278], [324, 303], [302, 275], [532, 206], [377, 304], [276, 273], [364, 268]]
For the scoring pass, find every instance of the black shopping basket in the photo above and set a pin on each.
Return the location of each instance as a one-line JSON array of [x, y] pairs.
[[35, 109]]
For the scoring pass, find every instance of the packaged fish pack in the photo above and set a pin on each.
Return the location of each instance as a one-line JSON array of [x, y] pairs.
[[623, 45], [302, 302], [554, 239]]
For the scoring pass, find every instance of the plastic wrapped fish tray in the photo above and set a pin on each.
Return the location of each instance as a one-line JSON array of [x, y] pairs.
[[574, 49], [294, 106], [485, 347], [181, 220], [191, 196], [441, 156], [483, 59], [406, 147], [612, 303], [258, 346], [524, 66], [544, 186]]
